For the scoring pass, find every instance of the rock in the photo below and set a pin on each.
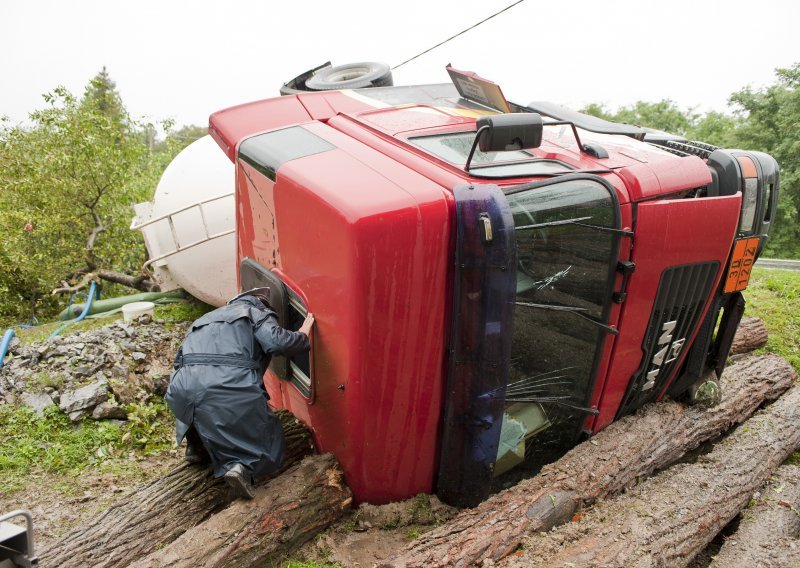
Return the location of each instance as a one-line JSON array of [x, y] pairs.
[[138, 356], [84, 398], [120, 372], [37, 401], [106, 410], [78, 415], [160, 384], [83, 371]]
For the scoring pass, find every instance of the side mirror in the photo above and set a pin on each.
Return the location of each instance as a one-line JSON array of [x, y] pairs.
[[515, 131], [504, 132]]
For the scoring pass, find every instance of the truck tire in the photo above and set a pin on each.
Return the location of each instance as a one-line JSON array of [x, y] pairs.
[[351, 76]]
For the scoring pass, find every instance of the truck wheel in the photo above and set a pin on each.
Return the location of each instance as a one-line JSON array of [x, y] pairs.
[[351, 76]]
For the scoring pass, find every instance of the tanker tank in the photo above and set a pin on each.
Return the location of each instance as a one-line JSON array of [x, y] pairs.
[[189, 227]]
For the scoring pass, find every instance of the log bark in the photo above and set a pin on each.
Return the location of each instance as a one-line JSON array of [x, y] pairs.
[[768, 531], [629, 449], [284, 514], [750, 335], [153, 516], [669, 518]]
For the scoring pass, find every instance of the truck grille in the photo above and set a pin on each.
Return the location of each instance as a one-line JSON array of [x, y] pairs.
[[682, 294]]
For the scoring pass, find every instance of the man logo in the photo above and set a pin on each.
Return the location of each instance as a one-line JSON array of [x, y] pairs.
[[668, 351]]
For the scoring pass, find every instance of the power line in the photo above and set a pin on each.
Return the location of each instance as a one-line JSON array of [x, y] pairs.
[[459, 33]]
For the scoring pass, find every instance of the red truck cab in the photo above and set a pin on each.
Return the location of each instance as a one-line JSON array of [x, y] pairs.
[[491, 283]]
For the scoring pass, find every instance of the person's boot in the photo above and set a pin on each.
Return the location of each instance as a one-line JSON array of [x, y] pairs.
[[238, 479], [196, 454]]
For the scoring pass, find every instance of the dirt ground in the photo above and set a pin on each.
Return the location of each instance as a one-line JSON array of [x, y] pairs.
[[372, 533], [59, 504]]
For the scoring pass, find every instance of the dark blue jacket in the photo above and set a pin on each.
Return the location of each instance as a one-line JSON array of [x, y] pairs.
[[217, 386]]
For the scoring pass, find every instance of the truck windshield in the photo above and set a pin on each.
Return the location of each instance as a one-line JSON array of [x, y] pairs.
[[454, 148], [566, 254]]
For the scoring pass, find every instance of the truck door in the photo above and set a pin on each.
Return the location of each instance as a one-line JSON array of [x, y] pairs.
[[535, 268]]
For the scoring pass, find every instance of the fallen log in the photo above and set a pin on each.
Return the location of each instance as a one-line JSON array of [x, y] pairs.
[[767, 534], [669, 518], [750, 335], [284, 514], [636, 446], [152, 516]]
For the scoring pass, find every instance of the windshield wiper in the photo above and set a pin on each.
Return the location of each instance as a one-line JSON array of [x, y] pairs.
[[577, 221], [572, 310]]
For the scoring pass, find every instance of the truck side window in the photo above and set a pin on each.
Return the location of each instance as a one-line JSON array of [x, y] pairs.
[[300, 365], [291, 312]]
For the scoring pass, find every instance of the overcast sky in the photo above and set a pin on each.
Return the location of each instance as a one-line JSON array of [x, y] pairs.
[[185, 59]]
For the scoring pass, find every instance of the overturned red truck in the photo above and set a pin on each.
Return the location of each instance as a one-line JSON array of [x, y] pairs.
[[492, 282]]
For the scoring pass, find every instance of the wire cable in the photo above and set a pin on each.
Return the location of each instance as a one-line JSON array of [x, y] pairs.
[[459, 33]]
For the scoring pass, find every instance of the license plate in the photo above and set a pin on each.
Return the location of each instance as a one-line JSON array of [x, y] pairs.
[[744, 256]]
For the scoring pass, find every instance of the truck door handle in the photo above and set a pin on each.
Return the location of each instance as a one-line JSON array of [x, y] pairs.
[[627, 268]]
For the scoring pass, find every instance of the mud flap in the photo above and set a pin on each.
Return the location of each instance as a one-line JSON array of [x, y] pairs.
[[484, 292]]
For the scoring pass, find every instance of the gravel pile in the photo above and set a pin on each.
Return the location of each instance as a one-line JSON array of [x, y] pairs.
[[93, 373]]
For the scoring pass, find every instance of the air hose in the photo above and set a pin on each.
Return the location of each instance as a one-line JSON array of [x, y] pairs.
[[7, 337], [84, 313]]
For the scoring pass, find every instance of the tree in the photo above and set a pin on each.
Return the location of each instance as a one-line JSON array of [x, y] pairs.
[[766, 120], [664, 115], [770, 122], [101, 95], [68, 182]]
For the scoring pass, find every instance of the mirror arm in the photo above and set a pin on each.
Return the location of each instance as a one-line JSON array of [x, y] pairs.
[[574, 131], [474, 146]]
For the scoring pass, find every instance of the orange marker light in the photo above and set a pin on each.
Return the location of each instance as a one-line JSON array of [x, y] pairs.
[[748, 167]]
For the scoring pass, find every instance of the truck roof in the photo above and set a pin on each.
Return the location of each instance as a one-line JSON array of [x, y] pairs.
[[425, 118]]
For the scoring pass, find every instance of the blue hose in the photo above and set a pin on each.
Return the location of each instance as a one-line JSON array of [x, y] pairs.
[[84, 313], [7, 337]]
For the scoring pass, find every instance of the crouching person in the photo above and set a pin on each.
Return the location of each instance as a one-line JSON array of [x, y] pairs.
[[217, 391]]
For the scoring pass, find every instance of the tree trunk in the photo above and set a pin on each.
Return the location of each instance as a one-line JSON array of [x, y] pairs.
[[767, 534], [153, 516], [672, 516], [751, 334], [629, 449], [284, 514], [135, 282]]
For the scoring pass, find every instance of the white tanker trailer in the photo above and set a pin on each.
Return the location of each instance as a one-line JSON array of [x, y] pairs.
[[189, 227]]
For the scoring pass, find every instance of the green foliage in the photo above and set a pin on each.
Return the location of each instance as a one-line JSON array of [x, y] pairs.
[[766, 120], [664, 115], [149, 428], [769, 297], [184, 136], [188, 310], [31, 444], [68, 181], [772, 125]]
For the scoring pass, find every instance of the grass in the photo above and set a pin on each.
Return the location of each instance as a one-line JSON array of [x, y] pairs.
[[42, 332], [774, 296], [32, 445], [174, 312], [50, 447]]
